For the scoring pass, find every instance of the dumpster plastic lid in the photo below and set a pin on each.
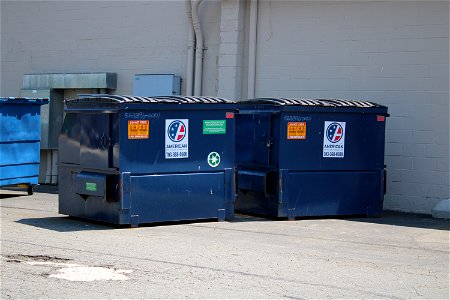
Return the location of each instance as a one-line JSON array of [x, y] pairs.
[[152, 99], [312, 102], [12, 100]]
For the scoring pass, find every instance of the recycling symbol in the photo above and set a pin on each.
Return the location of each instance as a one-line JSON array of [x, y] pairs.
[[213, 159]]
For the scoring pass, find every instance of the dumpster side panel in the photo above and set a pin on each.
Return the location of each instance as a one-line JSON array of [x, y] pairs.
[[258, 192], [95, 140], [92, 196], [90, 139], [257, 203], [19, 122], [19, 141], [253, 131], [23, 173], [16, 153], [69, 139], [69, 202]]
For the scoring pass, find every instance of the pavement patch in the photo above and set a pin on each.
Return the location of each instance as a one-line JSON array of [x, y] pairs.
[[70, 271], [82, 273]]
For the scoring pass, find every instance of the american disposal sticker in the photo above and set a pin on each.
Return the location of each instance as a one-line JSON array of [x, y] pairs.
[[214, 127], [296, 130], [334, 139], [177, 138], [138, 129]]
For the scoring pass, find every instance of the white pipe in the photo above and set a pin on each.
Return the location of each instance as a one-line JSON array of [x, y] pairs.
[[198, 48], [251, 79], [48, 169], [54, 179], [190, 54]]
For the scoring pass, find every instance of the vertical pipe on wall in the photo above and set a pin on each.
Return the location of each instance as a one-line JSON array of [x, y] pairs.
[[54, 177], [198, 48], [48, 169], [190, 53], [252, 49]]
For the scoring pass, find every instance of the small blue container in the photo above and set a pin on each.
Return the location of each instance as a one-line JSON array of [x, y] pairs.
[[20, 137]]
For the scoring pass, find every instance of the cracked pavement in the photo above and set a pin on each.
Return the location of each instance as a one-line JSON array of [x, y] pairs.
[[395, 256]]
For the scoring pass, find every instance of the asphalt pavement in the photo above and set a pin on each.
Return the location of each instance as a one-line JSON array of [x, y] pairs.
[[47, 255]]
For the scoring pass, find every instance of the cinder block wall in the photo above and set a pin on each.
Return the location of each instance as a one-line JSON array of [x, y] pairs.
[[126, 37], [395, 53]]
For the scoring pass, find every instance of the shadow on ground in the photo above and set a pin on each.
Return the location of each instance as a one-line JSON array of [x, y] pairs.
[[5, 192], [407, 220], [7, 195], [68, 224], [63, 224], [47, 189]]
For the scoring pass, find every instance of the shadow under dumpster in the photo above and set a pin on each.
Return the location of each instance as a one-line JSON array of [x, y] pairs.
[[8, 191], [63, 224], [407, 220], [69, 224], [6, 195], [47, 189]]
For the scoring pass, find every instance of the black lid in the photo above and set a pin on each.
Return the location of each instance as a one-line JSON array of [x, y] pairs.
[[153, 99], [312, 102]]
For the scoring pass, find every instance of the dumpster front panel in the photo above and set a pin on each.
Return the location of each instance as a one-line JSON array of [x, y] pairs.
[[359, 145], [177, 141], [333, 193], [175, 197]]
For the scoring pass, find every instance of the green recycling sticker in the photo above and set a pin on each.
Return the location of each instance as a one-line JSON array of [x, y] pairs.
[[213, 159], [90, 186], [214, 127]]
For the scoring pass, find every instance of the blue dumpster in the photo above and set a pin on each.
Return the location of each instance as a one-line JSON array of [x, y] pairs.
[[20, 137], [132, 160], [310, 157]]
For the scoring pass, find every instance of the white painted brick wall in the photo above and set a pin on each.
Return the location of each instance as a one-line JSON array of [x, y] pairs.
[[126, 37], [230, 63], [392, 52], [395, 53]]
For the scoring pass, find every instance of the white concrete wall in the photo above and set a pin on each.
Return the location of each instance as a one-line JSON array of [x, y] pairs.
[[126, 37], [232, 47], [395, 53]]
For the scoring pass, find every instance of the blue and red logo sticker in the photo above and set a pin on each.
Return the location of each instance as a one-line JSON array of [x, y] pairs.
[[176, 131], [335, 132]]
